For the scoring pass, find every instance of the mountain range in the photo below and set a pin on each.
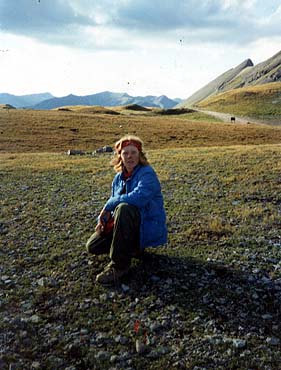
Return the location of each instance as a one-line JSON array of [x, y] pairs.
[[22, 101], [47, 101], [244, 75]]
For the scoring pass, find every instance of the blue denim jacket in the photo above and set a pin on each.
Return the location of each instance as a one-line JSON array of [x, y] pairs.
[[143, 190]]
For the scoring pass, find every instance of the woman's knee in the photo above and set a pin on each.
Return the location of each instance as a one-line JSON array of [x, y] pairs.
[[91, 242], [88, 246], [124, 208], [99, 244]]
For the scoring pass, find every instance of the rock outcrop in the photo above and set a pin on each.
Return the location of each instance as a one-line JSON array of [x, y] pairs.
[[265, 72]]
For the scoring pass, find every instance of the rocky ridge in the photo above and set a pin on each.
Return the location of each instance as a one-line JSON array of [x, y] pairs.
[[245, 74]]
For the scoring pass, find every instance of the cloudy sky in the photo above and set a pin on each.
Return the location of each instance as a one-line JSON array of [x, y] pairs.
[[142, 47]]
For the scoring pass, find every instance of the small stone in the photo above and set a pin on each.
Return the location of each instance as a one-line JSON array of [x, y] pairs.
[[215, 340], [140, 346], [102, 356], [25, 187], [272, 341], [111, 295], [266, 280], [125, 288], [195, 320], [120, 339], [113, 358], [157, 353], [35, 365], [103, 297], [239, 343], [255, 296], [155, 327], [42, 281], [251, 278], [35, 319], [124, 356], [8, 281], [23, 334]]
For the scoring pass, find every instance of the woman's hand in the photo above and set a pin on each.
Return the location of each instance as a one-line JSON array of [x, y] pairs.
[[102, 219], [99, 228]]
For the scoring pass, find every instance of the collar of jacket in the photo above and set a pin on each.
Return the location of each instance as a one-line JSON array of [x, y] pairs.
[[135, 170]]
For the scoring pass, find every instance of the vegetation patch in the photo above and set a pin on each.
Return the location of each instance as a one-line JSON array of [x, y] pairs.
[[262, 101], [136, 107], [209, 299], [176, 111], [60, 131], [91, 109]]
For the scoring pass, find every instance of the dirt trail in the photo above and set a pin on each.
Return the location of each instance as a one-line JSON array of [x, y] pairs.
[[226, 117]]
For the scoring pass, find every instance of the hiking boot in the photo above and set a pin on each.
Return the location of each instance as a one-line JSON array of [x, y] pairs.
[[110, 275]]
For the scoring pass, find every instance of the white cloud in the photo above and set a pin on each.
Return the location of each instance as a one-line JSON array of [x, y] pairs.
[[139, 46], [67, 22], [246, 4], [52, 21]]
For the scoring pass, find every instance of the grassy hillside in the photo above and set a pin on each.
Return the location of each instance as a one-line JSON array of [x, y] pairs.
[[58, 131], [262, 102], [208, 299], [217, 84]]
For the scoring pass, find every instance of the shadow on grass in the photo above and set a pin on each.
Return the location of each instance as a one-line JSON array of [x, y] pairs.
[[215, 296]]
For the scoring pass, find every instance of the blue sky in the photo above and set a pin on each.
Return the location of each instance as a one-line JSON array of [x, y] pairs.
[[142, 47]]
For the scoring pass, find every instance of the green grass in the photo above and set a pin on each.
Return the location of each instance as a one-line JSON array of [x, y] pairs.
[[261, 102], [223, 213]]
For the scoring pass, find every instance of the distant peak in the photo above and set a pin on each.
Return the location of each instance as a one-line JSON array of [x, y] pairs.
[[248, 63]]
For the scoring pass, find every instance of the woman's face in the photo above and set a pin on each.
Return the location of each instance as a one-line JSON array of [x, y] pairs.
[[130, 157]]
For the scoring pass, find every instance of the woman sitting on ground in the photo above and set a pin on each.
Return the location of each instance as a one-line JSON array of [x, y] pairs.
[[133, 217]]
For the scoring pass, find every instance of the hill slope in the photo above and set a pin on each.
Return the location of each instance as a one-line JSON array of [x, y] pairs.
[[263, 73], [263, 101], [214, 86], [58, 131], [245, 74]]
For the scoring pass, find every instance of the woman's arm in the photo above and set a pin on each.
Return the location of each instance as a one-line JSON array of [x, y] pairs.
[[140, 195]]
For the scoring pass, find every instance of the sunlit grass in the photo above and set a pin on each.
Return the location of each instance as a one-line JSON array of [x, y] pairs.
[[262, 101], [223, 208], [59, 131]]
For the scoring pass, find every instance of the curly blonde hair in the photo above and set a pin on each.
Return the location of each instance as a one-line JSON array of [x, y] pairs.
[[117, 161]]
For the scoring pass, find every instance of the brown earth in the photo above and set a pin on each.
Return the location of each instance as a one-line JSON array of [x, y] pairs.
[[57, 131]]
